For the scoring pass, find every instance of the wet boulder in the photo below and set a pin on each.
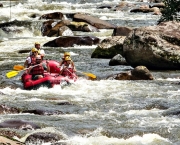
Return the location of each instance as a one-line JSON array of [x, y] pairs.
[[70, 41], [34, 15], [156, 11], [161, 105], [122, 6], [19, 124], [173, 111], [43, 137], [105, 7], [46, 27], [147, 9], [43, 112], [8, 110], [155, 1], [24, 51], [109, 47], [55, 15], [121, 31], [82, 26], [158, 5], [117, 60], [51, 28], [1, 5], [7, 141], [141, 73], [143, 9], [156, 47], [138, 73], [9, 132], [94, 21], [65, 31]]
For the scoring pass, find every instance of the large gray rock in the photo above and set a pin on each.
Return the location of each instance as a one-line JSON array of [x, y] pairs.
[[156, 47], [109, 47], [117, 60]]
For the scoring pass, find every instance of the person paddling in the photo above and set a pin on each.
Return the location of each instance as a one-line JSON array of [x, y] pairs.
[[67, 69], [67, 54], [37, 71], [31, 59]]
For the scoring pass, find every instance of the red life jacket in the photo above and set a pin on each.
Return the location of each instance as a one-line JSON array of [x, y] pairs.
[[33, 60], [68, 72], [38, 70]]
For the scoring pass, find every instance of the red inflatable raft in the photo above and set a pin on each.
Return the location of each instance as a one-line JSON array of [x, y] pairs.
[[49, 79]]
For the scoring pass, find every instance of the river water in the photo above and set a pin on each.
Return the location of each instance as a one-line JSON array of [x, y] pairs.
[[102, 112]]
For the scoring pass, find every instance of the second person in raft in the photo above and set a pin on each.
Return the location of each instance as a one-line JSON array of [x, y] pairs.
[[31, 60], [67, 54], [67, 69], [37, 71]]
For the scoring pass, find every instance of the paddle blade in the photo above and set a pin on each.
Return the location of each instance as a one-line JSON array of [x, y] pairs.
[[18, 67], [11, 74], [90, 75]]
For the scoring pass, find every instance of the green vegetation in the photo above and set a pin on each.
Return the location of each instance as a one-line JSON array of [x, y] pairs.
[[170, 12]]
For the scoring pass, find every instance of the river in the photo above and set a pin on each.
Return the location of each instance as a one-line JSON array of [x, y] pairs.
[[102, 112]]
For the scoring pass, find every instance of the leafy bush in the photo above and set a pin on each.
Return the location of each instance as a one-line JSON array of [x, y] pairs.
[[170, 12]]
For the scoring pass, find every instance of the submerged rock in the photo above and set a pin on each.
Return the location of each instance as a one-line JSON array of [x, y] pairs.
[[43, 137], [19, 124], [138, 73], [6, 110], [55, 15], [43, 112]]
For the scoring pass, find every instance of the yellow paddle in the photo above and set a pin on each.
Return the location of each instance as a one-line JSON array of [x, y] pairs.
[[15, 73], [12, 73], [88, 74], [18, 67]]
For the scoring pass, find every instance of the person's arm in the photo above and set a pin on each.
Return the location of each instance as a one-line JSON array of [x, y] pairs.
[[62, 68], [74, 68], [28, 60], [29, 69], [48, 67], [60, 63], [25, 64], [42, 52]]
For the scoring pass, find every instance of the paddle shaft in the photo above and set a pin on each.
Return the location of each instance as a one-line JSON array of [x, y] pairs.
[[29, 67], [87, 74]]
